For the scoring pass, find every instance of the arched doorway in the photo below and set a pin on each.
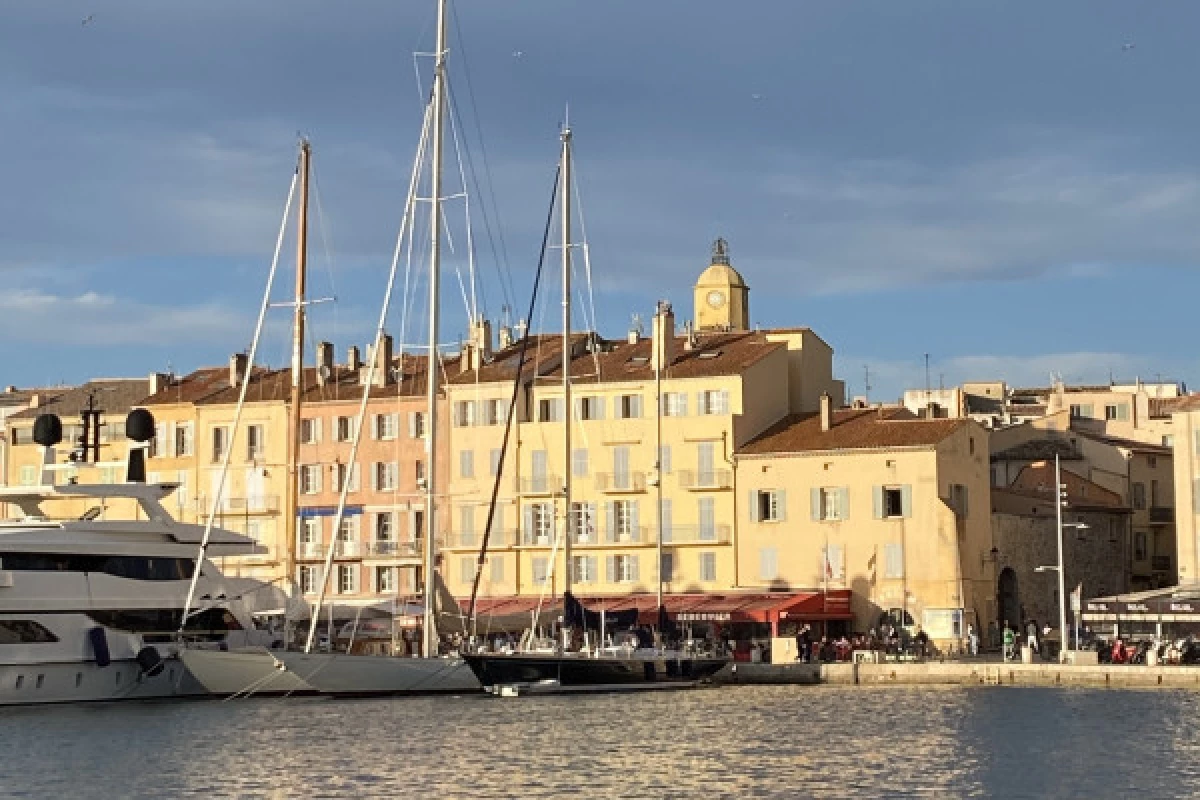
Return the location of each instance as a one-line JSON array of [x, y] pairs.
[[1008, 603]]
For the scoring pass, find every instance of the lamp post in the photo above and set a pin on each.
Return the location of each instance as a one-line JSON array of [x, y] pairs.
[[1060, 500]]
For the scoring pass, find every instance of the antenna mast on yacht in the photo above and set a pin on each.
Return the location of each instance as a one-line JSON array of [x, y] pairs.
[[290, 523], [565, 199], [429, 631]]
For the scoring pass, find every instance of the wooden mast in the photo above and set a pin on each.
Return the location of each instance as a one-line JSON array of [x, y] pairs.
[[290, 505]]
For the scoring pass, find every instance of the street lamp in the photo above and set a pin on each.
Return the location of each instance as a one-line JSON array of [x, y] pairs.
[[1060, 501]]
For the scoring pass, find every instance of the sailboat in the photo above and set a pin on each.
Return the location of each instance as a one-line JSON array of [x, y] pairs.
[[602, 667], [287, 671]]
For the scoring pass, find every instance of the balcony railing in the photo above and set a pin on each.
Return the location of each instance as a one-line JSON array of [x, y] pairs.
[[317, 550], [705, 479], [541, 484], [628, 535], [1161, 515], [620, 481], [1161, 563], [255, 504], [697, 534], [391, 549]]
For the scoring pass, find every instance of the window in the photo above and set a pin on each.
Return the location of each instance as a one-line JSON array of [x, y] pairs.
[[893, 561], [621, 477], [706, 457], [308, 579], [28, 475], [550, 409], [706, 509], [708, 567], [1119, 412], [310, 530], [538, 468], [419, 472], [347, 579], [385, 476], [1139, 496], [220, 444], [622, 569], [385, 579], [589, 408], [1082, 411], [464, 413], [674, 404], [466, 525], [416, 425], [833, 563], [664, 459], [767, 505], [628, 406], [538, 522], [714, 401], [892, 502], [310, 479], [623, 521], [384, 427], [583, 569], [958, 499], [466, 463], [667, 568], [343, 473], [831, 504], [495, 411], [466, 570], [496, 567], [345, 429], [24, 631], [1139, 546], [183, 439], [579, 463], [310, 431], [1155, 500], [583, 522], [348, 529], [255, 442], [768, 564], [666, 519], [541, 572], [385, 527]]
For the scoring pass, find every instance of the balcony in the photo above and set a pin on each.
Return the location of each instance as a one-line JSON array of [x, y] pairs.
[[616, 482], [700, 480], [697, 534], [1161, 563], [541, 484], [631, 535], [1161, 515], [317, 550], [255, 504], [472, 541], [391, 550]]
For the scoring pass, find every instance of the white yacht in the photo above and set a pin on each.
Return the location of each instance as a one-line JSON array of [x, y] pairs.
[[90, 609]]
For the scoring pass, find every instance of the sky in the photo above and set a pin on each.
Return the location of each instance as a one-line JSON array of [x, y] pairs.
[[1012, 188]]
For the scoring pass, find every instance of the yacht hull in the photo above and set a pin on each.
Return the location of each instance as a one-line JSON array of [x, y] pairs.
[[359, 675], [35, 683], [249, 672], [502, 674]]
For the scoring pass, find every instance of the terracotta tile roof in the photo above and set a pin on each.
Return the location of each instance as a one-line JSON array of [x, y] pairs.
[[21, 397], [1164, 407], [1129, 444], [716, 353], [852, 430], [1037, 480], [115, 396], [1039, 450]]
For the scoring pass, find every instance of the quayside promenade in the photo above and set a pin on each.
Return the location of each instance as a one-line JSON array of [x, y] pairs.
[[977, 673]]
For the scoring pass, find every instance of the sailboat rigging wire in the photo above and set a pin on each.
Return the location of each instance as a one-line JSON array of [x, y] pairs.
[[587, 266], [473, 306], [237, 414], [327, 246], [343, 490], [512, 408]]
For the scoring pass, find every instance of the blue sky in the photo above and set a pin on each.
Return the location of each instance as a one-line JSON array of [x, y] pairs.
[[1003, 185]]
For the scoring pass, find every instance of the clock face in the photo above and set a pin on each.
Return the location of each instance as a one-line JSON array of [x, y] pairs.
[[716, 299]]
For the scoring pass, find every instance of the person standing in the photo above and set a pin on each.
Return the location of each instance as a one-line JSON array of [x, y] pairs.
[[972, 640], [1010, 639], [1031, 635]]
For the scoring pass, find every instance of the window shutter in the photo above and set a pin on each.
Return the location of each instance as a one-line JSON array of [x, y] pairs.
[[664, 458], [906, 500], [753, 505], [317, 428], [600, 404], [836, 559], [527, 524], [375, 477], [578, 412], [412, 424], [610, 569], [666, 519], [635, 531], [374, 426], [724, 401], [497, 569], [877, 501], [634, 572], [814, 496], [317, 474], [610, 520], [845, 502], [780, 505], [635, 406]]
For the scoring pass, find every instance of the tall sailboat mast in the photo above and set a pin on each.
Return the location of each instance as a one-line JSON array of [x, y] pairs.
[[430, 636], [564, 194], [290, 521]]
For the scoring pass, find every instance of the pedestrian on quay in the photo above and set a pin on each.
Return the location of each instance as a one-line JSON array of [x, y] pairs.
[[1010, 639], [972, 640], [1031, 631]]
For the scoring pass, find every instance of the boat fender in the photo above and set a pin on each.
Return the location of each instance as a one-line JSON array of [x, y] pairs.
[[99, 642], [150, 661]]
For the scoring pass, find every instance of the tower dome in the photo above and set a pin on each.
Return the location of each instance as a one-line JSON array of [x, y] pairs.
[[722, 298]]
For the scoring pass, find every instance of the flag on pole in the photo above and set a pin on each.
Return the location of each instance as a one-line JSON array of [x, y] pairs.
[[1077, 597]]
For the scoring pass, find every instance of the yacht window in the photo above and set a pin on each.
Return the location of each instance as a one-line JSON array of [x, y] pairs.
[[24, 631], [162, 624], [141, 568]]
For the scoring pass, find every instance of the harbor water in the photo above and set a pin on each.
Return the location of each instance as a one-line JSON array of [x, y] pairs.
[[752, 741]]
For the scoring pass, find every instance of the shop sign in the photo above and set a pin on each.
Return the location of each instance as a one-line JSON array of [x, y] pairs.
[[703, 616]]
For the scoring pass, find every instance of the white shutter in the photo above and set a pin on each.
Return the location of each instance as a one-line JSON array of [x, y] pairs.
[[375, 426], [752, 505], [635, 532], [634, 572], [780, 505], [412, 424], [610, 569]]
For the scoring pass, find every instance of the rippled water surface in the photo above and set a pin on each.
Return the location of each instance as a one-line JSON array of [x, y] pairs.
[[734, 742]]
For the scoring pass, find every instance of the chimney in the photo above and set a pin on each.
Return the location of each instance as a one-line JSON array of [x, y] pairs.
[[158, 381], [826, 411], [506, 337], [35, 400], [931, 409], [353, 360], [10, 390], [479, 351], [634, 336], [662, 337], [382, 361], [324, 362], [468, 357], [237, 368]]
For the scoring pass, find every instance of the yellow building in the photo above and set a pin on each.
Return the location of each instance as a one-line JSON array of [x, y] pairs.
[[894, 509], [1186, 425], [721, 385]]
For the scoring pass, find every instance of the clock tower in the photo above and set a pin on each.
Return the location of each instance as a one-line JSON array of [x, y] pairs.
[[722, 298]]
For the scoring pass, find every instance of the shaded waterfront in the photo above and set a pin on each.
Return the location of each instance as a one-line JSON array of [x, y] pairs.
[[769, 741]]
